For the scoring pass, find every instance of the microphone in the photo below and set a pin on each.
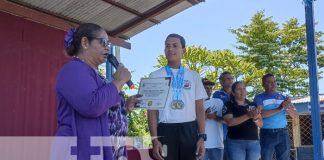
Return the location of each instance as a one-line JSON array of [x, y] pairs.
[[114, 62]]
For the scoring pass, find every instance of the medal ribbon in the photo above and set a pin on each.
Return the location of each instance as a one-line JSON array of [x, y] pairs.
[[176, 82]]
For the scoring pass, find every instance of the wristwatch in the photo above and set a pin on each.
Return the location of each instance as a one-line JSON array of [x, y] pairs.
[[203, 136]]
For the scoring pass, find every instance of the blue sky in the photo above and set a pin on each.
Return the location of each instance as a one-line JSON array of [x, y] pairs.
[[207, 25]]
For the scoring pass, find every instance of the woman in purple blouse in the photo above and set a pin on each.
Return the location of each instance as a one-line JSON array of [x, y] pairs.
[[89, 106]]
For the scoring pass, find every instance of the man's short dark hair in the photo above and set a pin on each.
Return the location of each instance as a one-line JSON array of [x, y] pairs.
[[206, 81], [266, 76], [223, 74], [182, 40]]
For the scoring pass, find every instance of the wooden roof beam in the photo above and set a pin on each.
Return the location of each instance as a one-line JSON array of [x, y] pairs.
[[147, 15], [194, 2], [130, 10]]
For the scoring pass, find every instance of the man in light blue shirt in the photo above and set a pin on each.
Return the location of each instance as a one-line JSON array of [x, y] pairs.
[[274, 134]]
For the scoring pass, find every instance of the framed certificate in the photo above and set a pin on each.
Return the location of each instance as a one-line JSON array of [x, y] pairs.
[[155, 92]]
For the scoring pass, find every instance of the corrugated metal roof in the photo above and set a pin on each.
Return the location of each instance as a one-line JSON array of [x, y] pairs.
[[138, 29], [140, 5], [160, 17], [121, 18], [112, 18], [306, 99], [174, 10]]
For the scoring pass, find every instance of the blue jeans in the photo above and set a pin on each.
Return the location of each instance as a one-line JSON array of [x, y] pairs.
[[225, 156], [243, 149], [225, 131], [274, 140], [214, 154]]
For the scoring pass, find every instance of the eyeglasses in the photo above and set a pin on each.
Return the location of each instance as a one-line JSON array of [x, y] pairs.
[[104, 42]]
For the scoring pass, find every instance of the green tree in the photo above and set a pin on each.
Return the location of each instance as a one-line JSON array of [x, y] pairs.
[[226, 60], [195, 58], [137, 123], [211, 64], [137, 119], [278, 50]]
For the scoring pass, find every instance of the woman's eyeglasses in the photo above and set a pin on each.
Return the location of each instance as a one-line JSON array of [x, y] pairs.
[[104, 42]]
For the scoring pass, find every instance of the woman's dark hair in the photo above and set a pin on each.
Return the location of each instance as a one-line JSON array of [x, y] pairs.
[[233, 88], [235, 84], [88, 30], [182, 40]]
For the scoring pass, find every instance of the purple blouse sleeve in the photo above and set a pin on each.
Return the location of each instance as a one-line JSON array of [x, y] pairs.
[[79, 85]]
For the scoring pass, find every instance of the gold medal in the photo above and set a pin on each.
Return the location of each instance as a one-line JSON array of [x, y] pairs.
[[177, 104]]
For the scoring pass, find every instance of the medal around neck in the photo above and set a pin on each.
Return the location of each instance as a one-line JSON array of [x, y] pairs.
[[177, 104], [177, 87]]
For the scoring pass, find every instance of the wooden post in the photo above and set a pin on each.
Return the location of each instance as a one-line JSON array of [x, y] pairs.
[[296, 132]]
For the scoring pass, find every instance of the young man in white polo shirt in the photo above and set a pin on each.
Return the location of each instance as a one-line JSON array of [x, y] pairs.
[[180, 126], [214, 124]]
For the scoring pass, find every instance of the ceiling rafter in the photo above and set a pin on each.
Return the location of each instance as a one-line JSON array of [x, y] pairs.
[[45, 14], [147, 15], [194, 2], [130, 10]]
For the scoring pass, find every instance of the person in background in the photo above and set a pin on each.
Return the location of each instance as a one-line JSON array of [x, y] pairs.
[[243, 118], [89, 105], [180, 126], [274, 135], [214, 120], [226, 81]]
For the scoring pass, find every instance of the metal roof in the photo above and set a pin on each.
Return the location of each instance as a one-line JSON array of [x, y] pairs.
[[121, 18], [306, 99]]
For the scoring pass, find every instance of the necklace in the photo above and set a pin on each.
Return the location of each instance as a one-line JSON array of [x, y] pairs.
[[86, 63], [79, 58]]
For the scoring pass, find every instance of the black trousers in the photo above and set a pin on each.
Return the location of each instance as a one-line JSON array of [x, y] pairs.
[[180, 139]]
